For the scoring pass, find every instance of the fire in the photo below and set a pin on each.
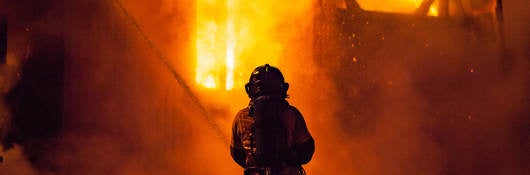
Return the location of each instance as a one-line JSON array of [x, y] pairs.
[[233, 37], [209, 37]]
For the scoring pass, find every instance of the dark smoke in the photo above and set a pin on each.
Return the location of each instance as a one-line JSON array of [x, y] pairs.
[[93, 98]]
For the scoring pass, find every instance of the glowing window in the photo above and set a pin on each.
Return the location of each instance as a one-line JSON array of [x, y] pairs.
[[397, 6]]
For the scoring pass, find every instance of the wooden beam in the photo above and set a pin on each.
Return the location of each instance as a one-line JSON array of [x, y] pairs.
[[443, 8], [424, 7]]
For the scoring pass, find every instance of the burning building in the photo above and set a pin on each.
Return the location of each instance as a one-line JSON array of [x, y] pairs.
[[387, 87]]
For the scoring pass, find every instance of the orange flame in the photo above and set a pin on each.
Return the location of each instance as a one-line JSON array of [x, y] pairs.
[[233, 37]]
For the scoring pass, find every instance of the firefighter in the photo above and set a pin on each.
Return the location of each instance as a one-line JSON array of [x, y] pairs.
[[270, 137]]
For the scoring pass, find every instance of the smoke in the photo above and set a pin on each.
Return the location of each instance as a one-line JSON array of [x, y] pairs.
[[413, 97], [401, 102], [120, 110], [16, 163]]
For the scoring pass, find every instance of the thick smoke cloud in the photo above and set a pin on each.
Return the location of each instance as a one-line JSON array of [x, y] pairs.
[[122, 112], [415, 96]]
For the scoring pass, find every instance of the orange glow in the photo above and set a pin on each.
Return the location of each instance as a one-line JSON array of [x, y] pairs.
[[396, 6], [232, 38], [235, 36]]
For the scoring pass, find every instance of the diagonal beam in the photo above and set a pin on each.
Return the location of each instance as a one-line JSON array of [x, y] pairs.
[[424, 7], [173, 72]]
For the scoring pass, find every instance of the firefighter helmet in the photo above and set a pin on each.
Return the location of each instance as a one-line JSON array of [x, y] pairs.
[[266, 80]]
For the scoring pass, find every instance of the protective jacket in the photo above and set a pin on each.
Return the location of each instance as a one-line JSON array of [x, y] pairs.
[[294, 148]]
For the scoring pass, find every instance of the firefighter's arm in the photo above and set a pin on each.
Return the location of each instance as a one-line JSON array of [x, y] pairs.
[[303, 145], [236, 147], [238, 155], [303, 152]]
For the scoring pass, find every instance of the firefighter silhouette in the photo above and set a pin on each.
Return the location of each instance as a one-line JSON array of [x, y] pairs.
[[270, 137]]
